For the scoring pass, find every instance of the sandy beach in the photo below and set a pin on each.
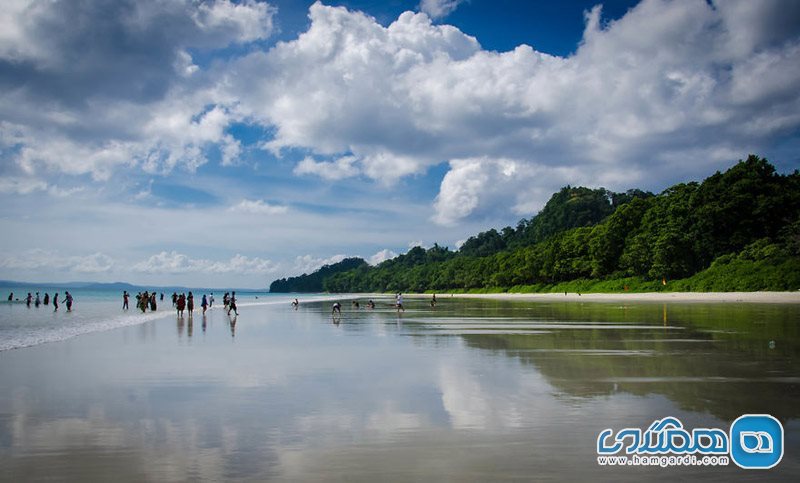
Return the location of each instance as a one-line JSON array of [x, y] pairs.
[[676, 297], [468, 390]]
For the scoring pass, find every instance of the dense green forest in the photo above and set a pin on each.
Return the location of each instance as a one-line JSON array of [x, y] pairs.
[[315, 282], [737, 230]]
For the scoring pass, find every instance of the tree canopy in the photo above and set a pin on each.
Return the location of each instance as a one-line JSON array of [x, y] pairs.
[[314, 282], [746, 216]]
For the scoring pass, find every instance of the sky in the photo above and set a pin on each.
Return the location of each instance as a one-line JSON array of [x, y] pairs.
[[225, 143]]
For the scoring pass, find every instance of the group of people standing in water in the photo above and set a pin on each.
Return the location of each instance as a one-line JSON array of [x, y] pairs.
[[38, 301], [144, 300], [398, 304], [181, 303]]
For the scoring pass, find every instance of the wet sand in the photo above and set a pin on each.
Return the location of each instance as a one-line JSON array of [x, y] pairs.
[[676, 297], [472, 390]]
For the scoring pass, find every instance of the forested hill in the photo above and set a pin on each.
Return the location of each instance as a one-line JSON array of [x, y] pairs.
[[314, 282], [737, 230]]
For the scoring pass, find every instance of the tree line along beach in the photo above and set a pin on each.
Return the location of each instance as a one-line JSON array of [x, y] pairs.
[[737, 230]]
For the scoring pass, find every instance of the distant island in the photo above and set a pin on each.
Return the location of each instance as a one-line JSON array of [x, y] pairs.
[[735, 231], [119, 286], [72, 285]]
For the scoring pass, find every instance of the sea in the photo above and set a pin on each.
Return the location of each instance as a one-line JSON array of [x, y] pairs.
[[101, 309]]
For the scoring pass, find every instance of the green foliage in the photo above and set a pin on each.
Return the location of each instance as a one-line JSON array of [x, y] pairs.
[[314, 281], [569, 208], [748, 202], [626, 284], [746, 221], [609, 239], [660, 246], [483, 244], [762, 265]]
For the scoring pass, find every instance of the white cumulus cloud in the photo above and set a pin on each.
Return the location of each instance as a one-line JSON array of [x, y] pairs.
[[47, 260], [671, 90], [343, 167], [439, 8], [674, 89], [21, 186], [381, 257], [309, 263], [239, 22], [115, 108], [491, 187], [259, 207], [178, 263]]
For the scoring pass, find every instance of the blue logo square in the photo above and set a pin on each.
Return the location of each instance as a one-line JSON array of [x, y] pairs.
[[756, 441]]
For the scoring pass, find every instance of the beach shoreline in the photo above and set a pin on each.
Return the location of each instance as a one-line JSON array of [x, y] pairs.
[[659, 297], [291, 393]]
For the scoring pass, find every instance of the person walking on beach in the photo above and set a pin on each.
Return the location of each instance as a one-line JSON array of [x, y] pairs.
[[153, 301], [180, 304], [28, 300], [232, 305], [55, 302], [399, 303], [226, 300], [68, 300], [211, 300], [204, 304], [433, 301], [190, 304], [47, 298], [125, 300], [38, 300], [174, 299]]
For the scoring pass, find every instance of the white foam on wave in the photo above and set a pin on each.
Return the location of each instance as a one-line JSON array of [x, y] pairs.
[[89, 318], [36, 335], [288, 300]]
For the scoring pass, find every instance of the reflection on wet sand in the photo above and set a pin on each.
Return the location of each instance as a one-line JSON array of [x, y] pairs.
[[716, 358], [475, 390]]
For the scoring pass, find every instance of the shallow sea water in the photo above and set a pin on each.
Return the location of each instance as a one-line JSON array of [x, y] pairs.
[[471, 390], [95, 311]]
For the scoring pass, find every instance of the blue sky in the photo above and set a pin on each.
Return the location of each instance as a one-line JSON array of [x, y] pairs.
[[222, 143]]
